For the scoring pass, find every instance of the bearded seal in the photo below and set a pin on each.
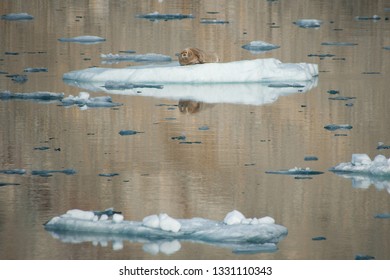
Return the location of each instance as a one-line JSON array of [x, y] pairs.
[[190, 56]]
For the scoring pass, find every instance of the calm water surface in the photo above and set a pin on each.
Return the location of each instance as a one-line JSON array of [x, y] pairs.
[[226, 170]]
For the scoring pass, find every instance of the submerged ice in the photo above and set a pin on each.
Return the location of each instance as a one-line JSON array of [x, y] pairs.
[[241, 234]]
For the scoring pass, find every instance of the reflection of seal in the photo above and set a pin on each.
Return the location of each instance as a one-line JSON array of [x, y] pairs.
[[190, 56]]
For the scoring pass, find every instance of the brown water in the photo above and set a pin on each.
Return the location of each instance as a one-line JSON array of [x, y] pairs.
[[226, 170]]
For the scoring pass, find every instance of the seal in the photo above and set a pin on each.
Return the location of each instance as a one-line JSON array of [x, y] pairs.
[[190, 56]]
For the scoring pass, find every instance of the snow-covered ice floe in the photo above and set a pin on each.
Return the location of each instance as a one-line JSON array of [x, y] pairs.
[[245, 71], [253, 82], [364, 172], [17, 16], [85, 39], [240, 234], [362, 164]]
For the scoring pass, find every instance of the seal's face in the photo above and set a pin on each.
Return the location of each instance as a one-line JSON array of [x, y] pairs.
[[188, 57]]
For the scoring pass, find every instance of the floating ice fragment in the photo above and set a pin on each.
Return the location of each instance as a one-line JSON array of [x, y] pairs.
[[321, 55], [157, 16], [13, 171], [374, 17], [343, 44], [319, 238], [387, 48], [40, 69], [45, 173], [296, 171], [333, 127], [108, 174], [213, 21], [259, 46], [382, 146], [20, 79], [86, 39], [3, 184], [84, 100], [17, 16], [310, 158], [42, 96], [129, 132], [308, 23], [149, 57], [382, 216]]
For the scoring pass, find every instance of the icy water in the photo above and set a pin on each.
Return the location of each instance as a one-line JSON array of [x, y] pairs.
[[225, 166]]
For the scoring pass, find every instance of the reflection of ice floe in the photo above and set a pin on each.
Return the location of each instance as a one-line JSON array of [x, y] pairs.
[[17, 16], [308, 23], [237, 93], [85, 100], [86, 39], [161, 233], [259, 47], [364, 172], [155, 16], [149, 57], [245, 71]]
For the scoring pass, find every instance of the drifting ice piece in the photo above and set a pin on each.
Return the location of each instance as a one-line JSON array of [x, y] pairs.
[[361, 163], [246, 71], [17, 16], [259, 46], [308, 23], [87, 39]]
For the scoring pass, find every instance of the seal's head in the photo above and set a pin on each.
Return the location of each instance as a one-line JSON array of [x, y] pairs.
[[189, 56]]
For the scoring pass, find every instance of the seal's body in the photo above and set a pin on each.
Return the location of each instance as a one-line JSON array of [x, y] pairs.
[[190, 56]]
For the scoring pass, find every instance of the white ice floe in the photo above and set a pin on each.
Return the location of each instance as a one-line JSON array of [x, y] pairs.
[[245, 71], [238, 233], [362, 163], [148, 57], [17, 16], [259, 47], [86, 39], [308, 23]]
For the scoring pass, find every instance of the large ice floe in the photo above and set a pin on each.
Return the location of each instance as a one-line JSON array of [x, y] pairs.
[[162, 233], [245, 71], [254, 82], [364, 172]]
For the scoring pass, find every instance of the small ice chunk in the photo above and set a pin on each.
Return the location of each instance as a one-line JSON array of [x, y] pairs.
[[157, 16], [360, 159], [374, 17], [333, 127], [234, 217], [117, 218], [80, 214], [103, 217], [169, 224], [151, 221], [266, 220], [149, 57], [343, 44]]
